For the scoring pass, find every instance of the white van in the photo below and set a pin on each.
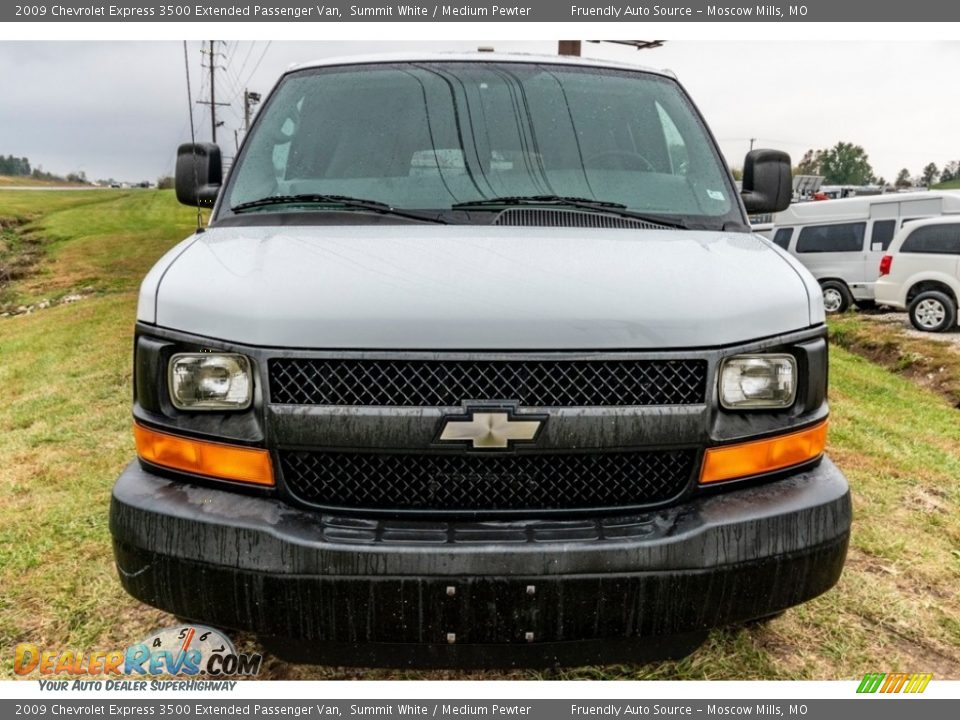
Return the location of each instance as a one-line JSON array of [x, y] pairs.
[[474, 349], [921, 274], [841, 241]]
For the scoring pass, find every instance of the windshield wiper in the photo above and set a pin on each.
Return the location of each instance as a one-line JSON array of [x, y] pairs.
[[577, 202], [344, 201], [542, 200]]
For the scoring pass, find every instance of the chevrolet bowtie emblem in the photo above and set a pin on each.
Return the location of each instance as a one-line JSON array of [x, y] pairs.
[[491, 430]]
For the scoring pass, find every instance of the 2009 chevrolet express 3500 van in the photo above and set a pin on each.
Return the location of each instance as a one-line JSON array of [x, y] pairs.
[[479, 364]]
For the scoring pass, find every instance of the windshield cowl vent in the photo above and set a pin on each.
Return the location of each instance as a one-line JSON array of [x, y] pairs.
[[549, 217]]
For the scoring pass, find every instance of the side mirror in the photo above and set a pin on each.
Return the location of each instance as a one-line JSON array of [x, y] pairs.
[[767, 181], [199, 174]]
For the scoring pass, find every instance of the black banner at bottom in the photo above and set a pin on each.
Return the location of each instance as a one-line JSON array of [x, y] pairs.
[[870, 706]]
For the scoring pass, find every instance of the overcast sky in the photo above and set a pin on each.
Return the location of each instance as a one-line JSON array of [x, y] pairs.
[[119, 110]]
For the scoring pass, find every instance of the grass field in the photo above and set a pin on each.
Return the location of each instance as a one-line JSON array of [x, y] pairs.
[[951, 185], [65, 435], [30, 181]]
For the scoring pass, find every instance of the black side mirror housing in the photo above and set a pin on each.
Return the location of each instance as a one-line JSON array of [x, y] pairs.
[[767, 181], [199, 174]]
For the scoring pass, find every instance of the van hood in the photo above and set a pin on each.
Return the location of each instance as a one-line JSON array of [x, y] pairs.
[[458, 287]]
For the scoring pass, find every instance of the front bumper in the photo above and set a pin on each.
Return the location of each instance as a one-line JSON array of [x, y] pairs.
[[343, 590]]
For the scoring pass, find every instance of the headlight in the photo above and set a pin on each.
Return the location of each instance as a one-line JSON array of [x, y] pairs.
[[210, 381], [758, 381]]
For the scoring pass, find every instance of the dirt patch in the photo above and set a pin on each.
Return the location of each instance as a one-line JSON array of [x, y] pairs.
[[908, 645], [19, 253], [901, 321], [931, 360], [14, 310], [919, 655], [10, 223], [929, 500]]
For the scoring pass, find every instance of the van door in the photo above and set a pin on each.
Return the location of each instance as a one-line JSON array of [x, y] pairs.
[[883, 226], [835, 251], [932, 249]]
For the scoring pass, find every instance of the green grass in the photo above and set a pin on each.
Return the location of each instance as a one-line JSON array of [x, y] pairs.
[[96, 241], [65, 435], [927, 362], [950, 185]]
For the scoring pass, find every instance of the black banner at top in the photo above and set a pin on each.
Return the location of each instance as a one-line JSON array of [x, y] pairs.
[[335, 11]]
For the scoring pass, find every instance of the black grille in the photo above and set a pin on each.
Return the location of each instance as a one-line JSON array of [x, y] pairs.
[[444, 383], [470, 483]]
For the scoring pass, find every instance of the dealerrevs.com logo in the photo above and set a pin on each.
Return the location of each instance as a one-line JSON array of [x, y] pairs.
[[183, 650]]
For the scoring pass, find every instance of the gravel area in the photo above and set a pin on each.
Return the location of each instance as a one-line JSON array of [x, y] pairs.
[[900, 320]]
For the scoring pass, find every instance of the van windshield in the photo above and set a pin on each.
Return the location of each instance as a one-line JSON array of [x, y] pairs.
[[438, 136]]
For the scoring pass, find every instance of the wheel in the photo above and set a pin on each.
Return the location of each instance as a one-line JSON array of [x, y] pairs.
[[836, 296], [933, 311]]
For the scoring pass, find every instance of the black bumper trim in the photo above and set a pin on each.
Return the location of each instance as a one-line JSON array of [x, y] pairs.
[[380, 597], [477, 657]]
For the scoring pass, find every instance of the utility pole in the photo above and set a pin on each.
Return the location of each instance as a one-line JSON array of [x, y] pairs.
[[212, 102], [249, 100], [572, 47], [213, 94]]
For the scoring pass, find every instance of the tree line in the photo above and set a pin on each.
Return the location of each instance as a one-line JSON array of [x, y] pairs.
[[20, 167], [10, 165], [849, 164], [930, 175]]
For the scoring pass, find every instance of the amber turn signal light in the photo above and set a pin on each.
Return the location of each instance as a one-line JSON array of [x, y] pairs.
[[215, 460], [731, 462]]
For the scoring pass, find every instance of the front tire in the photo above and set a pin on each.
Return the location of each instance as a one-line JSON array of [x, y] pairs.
[[933, 311], [836, 296]]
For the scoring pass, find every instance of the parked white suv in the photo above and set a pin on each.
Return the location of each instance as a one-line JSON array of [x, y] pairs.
[[921, 274]]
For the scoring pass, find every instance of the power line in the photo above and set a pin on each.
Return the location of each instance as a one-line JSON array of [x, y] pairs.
[[231, 49], [255, 67], [233, 83], [246, 59], [193, 135], [212, 66]]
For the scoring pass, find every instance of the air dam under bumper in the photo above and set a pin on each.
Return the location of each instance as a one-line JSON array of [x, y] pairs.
[[351, 591]]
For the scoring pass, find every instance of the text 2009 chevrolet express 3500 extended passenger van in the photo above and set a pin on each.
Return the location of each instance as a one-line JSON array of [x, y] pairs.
[[479, 364]]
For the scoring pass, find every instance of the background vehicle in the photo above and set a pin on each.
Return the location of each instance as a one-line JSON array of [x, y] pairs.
[[921, 273], [839, 192], [841, 241], [479, 364]]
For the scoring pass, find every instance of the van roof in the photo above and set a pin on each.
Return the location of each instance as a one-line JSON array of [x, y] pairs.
[[938, 220], [476, 57], [856, 208]]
